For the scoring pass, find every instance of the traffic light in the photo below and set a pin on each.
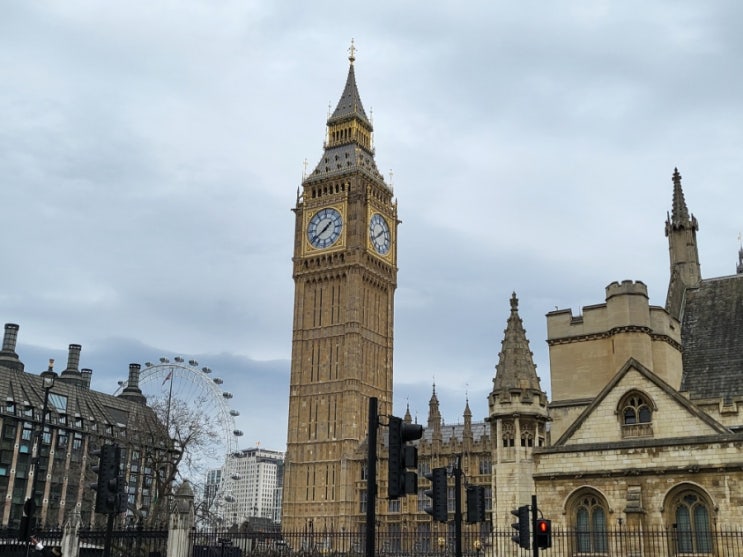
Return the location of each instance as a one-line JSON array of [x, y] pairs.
[[438, 494], [521, 527], [475, 503], [543, 535], [402, 456], [110, 496]]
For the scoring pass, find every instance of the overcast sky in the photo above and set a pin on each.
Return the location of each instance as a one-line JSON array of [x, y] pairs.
[[150, 155]]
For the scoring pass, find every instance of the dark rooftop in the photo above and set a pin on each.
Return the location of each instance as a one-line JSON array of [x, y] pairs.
[[712, 336]]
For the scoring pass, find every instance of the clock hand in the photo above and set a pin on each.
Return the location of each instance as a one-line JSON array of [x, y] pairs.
[[324, 228]]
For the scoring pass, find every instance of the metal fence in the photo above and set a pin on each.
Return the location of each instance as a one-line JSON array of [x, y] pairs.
[[565, 543], [132, 542], [140, 542]]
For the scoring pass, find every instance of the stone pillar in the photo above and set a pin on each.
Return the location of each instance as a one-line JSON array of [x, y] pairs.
[[181, 522], [71, 536]]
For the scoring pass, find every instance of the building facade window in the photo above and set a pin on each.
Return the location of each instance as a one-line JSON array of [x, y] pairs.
[[636, 415], [690, 513], [589, 512], [485, 466], [508, 440]]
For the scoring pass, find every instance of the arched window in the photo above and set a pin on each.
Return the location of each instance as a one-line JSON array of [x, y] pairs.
[[636, 415], [527, 439], [508, 435], [589, 513], [692, 524]]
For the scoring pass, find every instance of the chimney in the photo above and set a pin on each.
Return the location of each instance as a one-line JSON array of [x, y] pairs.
[[72, 374], [132, 391], [8, 356], [86, 375]]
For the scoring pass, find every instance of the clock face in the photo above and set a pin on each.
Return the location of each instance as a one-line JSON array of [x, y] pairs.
[[325, 228], [379, 234]]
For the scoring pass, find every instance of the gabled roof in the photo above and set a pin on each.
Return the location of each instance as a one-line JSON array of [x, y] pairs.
[[669, 392], [712, 336]]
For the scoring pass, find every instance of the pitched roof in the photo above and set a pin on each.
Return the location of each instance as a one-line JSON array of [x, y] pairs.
[[26, 390], [652, 378], [712, 335]]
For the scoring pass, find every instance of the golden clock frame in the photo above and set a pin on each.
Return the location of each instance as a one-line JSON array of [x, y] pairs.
[[391, 224], [340, 243]]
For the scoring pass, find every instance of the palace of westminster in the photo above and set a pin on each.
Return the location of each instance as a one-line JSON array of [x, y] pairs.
[[644, 428]]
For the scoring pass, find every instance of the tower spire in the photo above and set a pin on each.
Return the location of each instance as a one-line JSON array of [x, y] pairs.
[[679, 213], [681, 231], [518, 417], [348, 139], [515, 368]]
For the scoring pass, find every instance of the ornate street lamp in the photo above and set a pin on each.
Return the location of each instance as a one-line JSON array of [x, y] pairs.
[[29, 507]]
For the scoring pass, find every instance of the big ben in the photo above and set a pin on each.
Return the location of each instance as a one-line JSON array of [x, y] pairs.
[[345, 275]]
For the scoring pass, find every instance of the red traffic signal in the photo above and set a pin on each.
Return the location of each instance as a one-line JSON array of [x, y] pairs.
[[543, 533]]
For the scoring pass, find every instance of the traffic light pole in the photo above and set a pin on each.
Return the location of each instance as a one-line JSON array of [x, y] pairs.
[[458, 507], [534, 510], [371, 477], [109, 535]]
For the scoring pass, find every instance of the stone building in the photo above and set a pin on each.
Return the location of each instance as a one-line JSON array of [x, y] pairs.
[[644, 429], [78, 421], [645, 421], [345, 274]]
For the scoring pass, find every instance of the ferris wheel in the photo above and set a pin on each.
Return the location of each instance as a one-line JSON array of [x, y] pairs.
[[179, 382]]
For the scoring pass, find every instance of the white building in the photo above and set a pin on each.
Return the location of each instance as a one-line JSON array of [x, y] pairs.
[[252, 484]]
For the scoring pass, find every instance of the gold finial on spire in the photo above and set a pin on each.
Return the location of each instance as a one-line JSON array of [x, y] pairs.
[[352, 53], [304, 172]]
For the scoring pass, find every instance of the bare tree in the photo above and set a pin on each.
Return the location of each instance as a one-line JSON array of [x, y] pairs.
[[183, 446]]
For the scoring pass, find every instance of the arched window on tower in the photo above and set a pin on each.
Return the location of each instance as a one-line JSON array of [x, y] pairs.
[[636, 415], [588, 511], [508, 440], [527, 439]]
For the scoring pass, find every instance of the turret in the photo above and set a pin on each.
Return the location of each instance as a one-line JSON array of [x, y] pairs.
[[434, 415], [681, 230], [518, 418]]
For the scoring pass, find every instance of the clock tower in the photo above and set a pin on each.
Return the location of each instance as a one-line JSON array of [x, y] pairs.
[[345, 275]]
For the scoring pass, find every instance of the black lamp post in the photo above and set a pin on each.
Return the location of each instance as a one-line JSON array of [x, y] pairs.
[[29, 507]]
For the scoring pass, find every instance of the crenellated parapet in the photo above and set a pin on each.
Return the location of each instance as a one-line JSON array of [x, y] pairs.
[[587, 350]]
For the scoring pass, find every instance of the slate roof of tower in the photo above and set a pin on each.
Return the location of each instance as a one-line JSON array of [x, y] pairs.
[[515, 368], [351, 155], [349, 105], [712, 337]]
